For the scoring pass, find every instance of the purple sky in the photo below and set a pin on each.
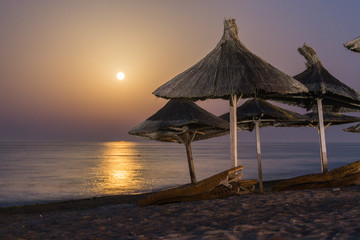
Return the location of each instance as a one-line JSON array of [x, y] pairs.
[[59, 59]]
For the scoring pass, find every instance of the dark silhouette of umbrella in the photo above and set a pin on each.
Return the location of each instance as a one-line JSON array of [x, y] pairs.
[[256, 113], [230, 71], [353, 45], [331, 119], [354, 129], [327, 94], [312, 120], [182, 122]]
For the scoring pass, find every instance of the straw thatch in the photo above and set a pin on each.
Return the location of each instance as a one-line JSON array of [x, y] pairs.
[[182, 122], [311, 120], [335, 95], [266, 113], [353, 45], [354, 129], [230, 69], [332, 118], [177, 117]]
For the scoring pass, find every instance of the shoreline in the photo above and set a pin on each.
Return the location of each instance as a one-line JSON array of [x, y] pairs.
[[91, 202], [328, 213], [84, 203]]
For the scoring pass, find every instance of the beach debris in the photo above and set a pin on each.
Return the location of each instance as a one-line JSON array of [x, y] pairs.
[[343, 176], [224, 184]]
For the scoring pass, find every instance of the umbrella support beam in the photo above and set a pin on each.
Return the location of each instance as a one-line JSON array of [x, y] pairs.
[[187, 142], [324, 164], [234, 100], [258, 149]]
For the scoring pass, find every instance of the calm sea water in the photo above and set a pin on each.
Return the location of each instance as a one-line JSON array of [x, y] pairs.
[[43, 172]]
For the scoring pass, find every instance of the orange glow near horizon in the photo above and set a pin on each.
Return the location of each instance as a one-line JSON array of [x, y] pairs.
[[59, 59], [118, 167]]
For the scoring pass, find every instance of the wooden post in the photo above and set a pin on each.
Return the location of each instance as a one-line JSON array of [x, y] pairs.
[[257, 130], [324, 165], [233, 130], [187, 143]]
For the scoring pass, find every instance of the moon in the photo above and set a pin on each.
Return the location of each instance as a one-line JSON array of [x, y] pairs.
[[120, 75]]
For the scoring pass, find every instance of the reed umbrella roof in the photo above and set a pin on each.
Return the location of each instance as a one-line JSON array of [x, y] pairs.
[[177, 117], [353, 45], [230, 69], [311, 120], [354, 129], [332, 118], [267, 114], [335, 95], [182, 122]]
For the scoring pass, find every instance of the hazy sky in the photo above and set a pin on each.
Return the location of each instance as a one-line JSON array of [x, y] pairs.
[[59, 59]]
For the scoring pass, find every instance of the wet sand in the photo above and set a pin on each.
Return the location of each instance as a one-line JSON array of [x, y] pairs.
[[331, 213]]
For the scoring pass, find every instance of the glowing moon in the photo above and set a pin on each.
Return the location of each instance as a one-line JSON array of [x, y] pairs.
[[120, 75]]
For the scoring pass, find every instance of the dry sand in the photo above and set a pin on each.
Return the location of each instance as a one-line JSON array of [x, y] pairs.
[[308, 214]]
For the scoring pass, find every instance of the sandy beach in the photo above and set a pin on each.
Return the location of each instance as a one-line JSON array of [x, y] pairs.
[[331, 213]]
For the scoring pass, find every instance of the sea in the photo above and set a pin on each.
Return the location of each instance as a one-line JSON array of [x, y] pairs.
[[40, 172]]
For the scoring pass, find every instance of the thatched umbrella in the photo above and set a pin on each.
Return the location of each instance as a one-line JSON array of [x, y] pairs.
[[230, 71], [256, 113], [328, 94], [353, 45], [182, 122], [354, 129]]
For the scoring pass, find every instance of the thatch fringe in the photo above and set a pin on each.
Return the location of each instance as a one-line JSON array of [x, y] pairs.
[[354, 129], [353, 45], [266, 113], [312, 120], [332, 118]]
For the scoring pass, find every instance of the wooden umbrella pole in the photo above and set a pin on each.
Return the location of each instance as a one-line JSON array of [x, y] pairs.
[[324, 165], [187, 143], [257, 130], [233, 129]]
